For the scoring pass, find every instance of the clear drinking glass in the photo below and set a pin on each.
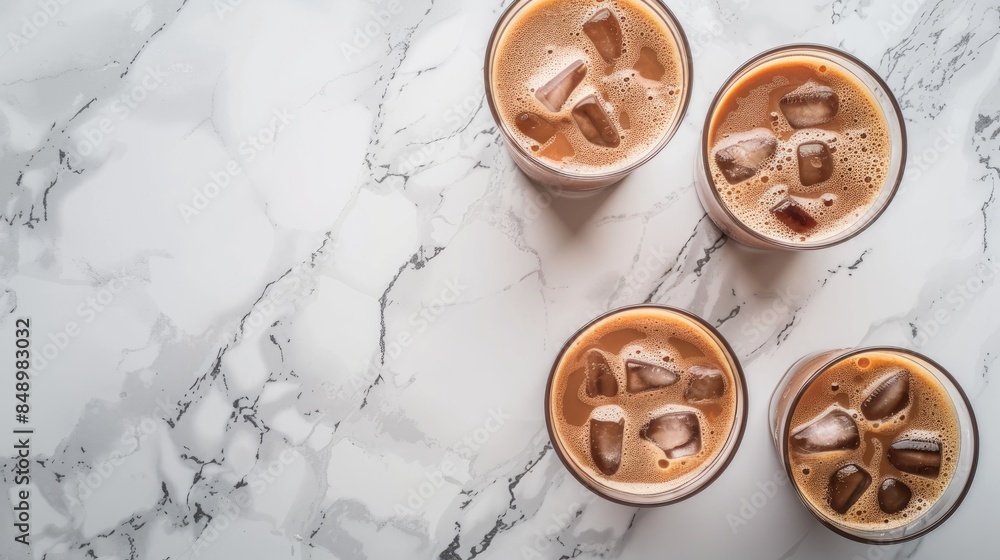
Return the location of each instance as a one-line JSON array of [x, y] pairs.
[[809, 369], [742, 233], [566, 182], [704, 474]]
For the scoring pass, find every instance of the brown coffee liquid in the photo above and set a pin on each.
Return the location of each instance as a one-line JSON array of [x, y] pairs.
[[855, 146], [640, 90], [682, 351], [923, 413]]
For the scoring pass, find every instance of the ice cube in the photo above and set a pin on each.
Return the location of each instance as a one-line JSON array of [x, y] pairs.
[[916, 457], [606, 34], [648, 66], [595, 124], [535, 127], [600, 377], [740, 155], [847, 486], [606, 444], [641, 376], [893, 496], [707, 383], [793, 215], [815, 163], [833, 431], [678, 434], [889, 398], [811, 104], [555, 93]]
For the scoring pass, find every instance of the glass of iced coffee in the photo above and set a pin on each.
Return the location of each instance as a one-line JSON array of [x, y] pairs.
[[646, 405], [584, 91], [881, 444], [803, 148]]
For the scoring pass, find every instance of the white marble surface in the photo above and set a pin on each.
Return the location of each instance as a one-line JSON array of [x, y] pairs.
[[293, 300]]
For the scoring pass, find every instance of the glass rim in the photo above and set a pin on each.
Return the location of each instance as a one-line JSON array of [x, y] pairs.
[[687, 66], [938, 368], [736, 433], [897, 113]]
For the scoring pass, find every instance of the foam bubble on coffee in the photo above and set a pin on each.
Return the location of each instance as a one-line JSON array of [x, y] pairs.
[[841, 172], [637, 88], [667, 438]]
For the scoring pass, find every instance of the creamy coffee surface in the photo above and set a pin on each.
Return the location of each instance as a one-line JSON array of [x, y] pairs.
[[588, 86], [874, 441], [644, 400], [799, 149]]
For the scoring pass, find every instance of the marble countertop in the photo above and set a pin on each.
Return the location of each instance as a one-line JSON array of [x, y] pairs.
[[289, 297]]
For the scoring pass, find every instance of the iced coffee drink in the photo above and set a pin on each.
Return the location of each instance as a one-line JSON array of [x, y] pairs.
[[880, 444], [585, 91], [646, 405], [803, 149]]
